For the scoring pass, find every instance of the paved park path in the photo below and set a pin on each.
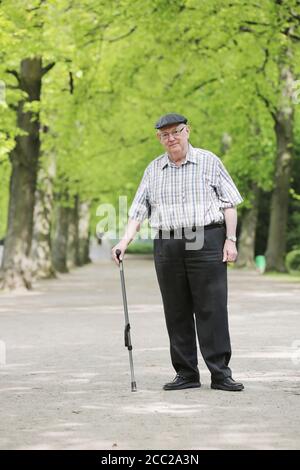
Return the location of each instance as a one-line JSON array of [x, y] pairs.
[[65, 383]]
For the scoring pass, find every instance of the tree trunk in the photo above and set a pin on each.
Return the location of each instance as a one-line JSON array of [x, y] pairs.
[[60, 242], [41, 243], [276, 245], [16, 265], [73, 240], [247, 236], [83, 232]]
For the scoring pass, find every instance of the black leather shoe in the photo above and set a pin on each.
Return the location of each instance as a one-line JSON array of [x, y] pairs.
[[227, 384], [180, 383]]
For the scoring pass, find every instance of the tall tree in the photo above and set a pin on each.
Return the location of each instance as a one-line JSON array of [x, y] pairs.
[[16, 270], [43, 214]]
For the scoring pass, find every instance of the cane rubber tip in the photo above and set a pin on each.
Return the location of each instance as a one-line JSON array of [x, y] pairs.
[[133, 387]]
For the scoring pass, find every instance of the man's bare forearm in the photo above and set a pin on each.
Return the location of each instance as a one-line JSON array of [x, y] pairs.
[[132, 227], [230, 215]]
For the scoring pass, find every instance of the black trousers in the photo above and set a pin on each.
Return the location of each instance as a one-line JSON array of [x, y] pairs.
[[193, 285]]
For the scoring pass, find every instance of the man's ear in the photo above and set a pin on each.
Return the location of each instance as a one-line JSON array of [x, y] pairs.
[[158, 135]]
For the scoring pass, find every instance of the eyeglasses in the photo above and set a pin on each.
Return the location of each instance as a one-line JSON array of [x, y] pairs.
[[176, 133]]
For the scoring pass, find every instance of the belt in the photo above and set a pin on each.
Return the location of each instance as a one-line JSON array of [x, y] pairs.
[[193, 228]]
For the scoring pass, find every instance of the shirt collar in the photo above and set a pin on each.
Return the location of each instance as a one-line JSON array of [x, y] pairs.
[[190, 157]]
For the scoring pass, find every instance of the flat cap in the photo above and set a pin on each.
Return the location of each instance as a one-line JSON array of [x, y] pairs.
[[169, 119]]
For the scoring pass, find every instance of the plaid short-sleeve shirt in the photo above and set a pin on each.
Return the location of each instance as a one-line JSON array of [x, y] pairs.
[[194, 193]]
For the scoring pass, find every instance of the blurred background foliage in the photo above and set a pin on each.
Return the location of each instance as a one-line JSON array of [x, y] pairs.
[[111, 68]]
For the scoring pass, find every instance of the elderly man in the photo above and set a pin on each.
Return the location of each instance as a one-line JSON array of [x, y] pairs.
[[184, 192]]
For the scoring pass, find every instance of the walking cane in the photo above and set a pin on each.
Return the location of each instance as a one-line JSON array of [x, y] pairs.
[[127, 324]]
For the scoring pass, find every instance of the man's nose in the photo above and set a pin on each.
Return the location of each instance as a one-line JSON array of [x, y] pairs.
[[171, 137]]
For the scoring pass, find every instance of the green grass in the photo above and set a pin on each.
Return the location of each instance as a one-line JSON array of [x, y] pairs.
[[145, 247], [141, 247]]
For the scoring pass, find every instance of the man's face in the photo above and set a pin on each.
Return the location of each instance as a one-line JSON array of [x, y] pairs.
[[174, 137]]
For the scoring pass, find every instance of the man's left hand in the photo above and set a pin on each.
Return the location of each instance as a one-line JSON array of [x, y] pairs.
[[229, 251]]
